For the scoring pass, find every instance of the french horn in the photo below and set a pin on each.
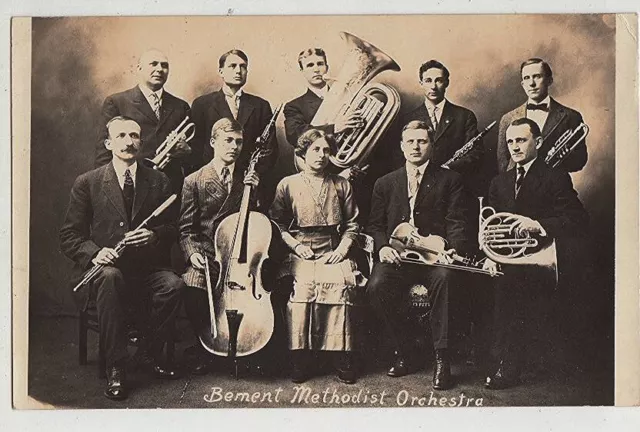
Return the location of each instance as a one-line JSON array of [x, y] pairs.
[[501, 243]]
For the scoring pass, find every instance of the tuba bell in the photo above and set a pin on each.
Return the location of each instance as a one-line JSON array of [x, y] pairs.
[[351, 92], [500, 243]]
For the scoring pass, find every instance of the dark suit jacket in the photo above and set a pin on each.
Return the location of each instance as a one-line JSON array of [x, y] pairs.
[[561, 119], [298, 115], [254, 115], [546, 195], [440, 208], [132, 103], [96, 218], [456, 127]]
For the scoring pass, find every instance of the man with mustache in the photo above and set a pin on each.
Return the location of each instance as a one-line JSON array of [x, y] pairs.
[[106, 205], [432, 199], [231, 101], [546, 207], [157, 112], [210, 195], [553, 119]]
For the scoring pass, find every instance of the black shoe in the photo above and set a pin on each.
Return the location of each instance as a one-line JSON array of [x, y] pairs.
[[400, 366], [165, 371], [442, 372], [116, 386], [502, 378], [300, 369], [345, 368]]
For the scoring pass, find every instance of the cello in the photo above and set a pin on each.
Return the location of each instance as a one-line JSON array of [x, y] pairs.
[[242, 317]]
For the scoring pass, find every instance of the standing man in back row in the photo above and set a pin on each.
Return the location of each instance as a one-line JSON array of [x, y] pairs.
[[155, 110], [552, 118]]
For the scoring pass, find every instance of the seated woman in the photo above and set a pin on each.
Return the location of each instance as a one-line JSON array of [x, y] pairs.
[[316, 213]]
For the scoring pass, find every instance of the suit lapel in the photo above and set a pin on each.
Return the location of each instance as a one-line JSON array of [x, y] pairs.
[[556, 114], [142, 190], [219, 104], [313, 102], [246, 108], [427, 184], [401, 188], [143, 105], [531, 182], [168, 106], [112, 190], [445, 120]]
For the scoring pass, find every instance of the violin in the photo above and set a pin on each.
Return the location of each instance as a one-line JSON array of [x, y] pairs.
[[430, 250], [244, 316]]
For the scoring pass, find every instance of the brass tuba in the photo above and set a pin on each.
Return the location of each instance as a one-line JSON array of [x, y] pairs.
[[500, 243], [377, 104]]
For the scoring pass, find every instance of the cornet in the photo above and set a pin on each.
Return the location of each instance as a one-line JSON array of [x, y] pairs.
[[567, 142], [163, 153]]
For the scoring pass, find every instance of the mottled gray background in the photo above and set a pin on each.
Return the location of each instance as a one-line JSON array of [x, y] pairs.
[[79, 61]]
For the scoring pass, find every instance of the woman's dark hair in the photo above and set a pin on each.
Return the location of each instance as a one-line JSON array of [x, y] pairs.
[[311, 136]]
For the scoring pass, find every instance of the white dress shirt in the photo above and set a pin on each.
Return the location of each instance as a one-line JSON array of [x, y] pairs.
[[120, 168], [430, 108], [146, 91], [233, 99], [411, 169], [539, 116]]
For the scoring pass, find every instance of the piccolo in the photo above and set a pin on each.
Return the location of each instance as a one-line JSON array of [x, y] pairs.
[[120, 246]]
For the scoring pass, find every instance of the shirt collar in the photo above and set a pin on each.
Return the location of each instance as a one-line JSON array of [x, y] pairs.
[[411, 168], [546, 101], [431, 106], [527, 166], [146, 91], [321, 93], [229, 93], [120, 168], [218, 165]]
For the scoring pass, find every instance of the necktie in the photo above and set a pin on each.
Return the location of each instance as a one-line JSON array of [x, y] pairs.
[[226, 178], [540, 107], [414, 183], [234, 105], [128, 192], [156, 105], [434, 118], [519, 179]]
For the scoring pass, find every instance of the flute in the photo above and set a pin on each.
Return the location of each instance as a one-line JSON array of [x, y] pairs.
[[120, 246]]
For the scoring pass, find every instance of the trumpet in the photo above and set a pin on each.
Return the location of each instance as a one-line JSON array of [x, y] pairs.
[[181, 133], [120, 246], [502, 244], [465, 149], [564, 145]]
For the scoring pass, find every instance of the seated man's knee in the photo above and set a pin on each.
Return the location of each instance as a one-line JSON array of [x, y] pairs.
[[110, 274]]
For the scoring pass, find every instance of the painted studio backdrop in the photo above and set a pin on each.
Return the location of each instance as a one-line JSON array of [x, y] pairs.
[[77, 62]]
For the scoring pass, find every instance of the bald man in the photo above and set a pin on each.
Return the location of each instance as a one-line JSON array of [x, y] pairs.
[[156, 111]]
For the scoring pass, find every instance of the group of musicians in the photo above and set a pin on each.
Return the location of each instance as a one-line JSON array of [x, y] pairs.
[[320, 214]]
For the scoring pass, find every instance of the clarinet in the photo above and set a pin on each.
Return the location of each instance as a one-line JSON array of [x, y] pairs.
[[465, 149], [120, 246]]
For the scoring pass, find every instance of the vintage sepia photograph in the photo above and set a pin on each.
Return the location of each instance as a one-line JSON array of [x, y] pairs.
[[382, 211]]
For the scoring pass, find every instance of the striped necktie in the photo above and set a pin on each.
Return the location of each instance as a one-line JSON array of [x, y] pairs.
[[156, 105], [519, 178], [128, 192], [226, 178]]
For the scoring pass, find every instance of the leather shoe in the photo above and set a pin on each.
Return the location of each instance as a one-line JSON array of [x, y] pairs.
[[502, 378], [400, 366], [442, 372], [200, 366], [165, 371], [346, 370], [116, 387], [300, 369]]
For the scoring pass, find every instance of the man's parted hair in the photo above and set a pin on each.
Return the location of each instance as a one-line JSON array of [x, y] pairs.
[[419, 124], [545, 67], [433, 64], [239, 53], [533, 126], [309, 52], [225, 125], [118, 118], [311, 136]]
